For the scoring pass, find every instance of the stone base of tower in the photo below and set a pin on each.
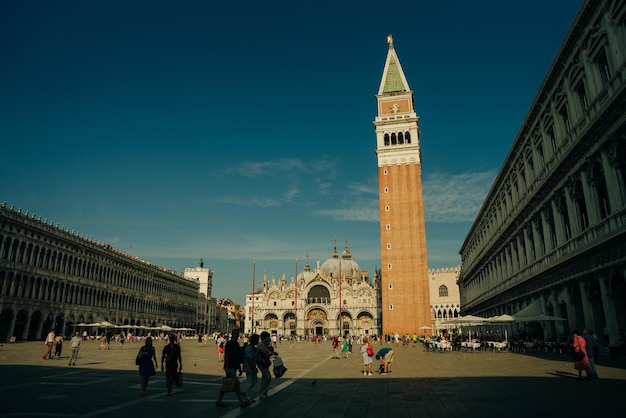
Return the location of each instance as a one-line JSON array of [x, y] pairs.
[[406, 306]]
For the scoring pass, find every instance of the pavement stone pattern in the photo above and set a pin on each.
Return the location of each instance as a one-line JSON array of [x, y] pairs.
[[422, 384]]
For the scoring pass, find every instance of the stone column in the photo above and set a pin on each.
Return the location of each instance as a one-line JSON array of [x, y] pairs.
[[530, 173], [547, 239], [615, 190], [586, 302], [64, 327], [519, 254], [39, 328], [566, 295], [24, 335], [558, 223], [609, 313], [571, 212], [536, 239], [508, 259], [554, 301], [548, 326], [591, 202], [3, 249], [528, 244], [556, 306]]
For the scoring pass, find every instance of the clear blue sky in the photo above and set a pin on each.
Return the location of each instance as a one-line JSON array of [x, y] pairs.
[[241, 131]]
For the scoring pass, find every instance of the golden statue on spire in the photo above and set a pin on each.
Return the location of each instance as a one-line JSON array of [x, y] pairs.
[[390, 39]]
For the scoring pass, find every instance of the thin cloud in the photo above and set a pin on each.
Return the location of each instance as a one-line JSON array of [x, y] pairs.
[[363, 189], [457, 197], [261, 168], [280, 167], [447, 198], [364, 214], [262, 202], [320, 170], [359, 203]]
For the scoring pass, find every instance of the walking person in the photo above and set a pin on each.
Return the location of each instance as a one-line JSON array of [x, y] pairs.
[[147, 364], [335, 347], [232, 365], [103, 342], [581, 361], [367, 359], [220, 347], [345, 347], [75, 344], [171, 362], [50, 343], [266, 351], [250, 355], [591, 346], [122, 340], [58, 346]]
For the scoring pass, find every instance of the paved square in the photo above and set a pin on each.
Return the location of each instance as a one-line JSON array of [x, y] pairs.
[[422, 384]]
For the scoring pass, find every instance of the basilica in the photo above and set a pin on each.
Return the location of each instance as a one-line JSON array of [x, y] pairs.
[[334, 298]]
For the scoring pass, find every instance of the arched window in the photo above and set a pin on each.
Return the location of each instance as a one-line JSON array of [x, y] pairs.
[[318, 294], [386, 139], [443, 291], [407, 137], [394, 141], [400, 138]]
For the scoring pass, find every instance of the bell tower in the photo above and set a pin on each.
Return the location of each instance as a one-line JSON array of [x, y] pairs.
[[404, 262]]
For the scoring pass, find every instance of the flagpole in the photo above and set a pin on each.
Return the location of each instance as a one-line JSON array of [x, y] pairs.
[[296, 299], [340, 301], [253, 277]]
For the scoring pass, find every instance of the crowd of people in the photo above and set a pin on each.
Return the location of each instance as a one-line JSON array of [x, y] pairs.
[[253, 354]]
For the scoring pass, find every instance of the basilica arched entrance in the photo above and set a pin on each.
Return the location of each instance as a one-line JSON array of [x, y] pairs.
[[270, 323], [345, 323], [289, 324], [317, 322], [364, 323]]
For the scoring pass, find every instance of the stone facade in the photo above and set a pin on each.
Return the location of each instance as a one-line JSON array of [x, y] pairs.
[[445, 300], [310, 305], [51, 278], [551, 235], [207, 311]]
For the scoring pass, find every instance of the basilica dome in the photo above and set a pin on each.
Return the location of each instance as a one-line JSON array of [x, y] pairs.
[[306, 274], [346, 266]]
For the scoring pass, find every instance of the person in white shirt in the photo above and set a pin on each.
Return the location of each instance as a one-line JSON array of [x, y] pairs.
[[75, 344], [50, 344]]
